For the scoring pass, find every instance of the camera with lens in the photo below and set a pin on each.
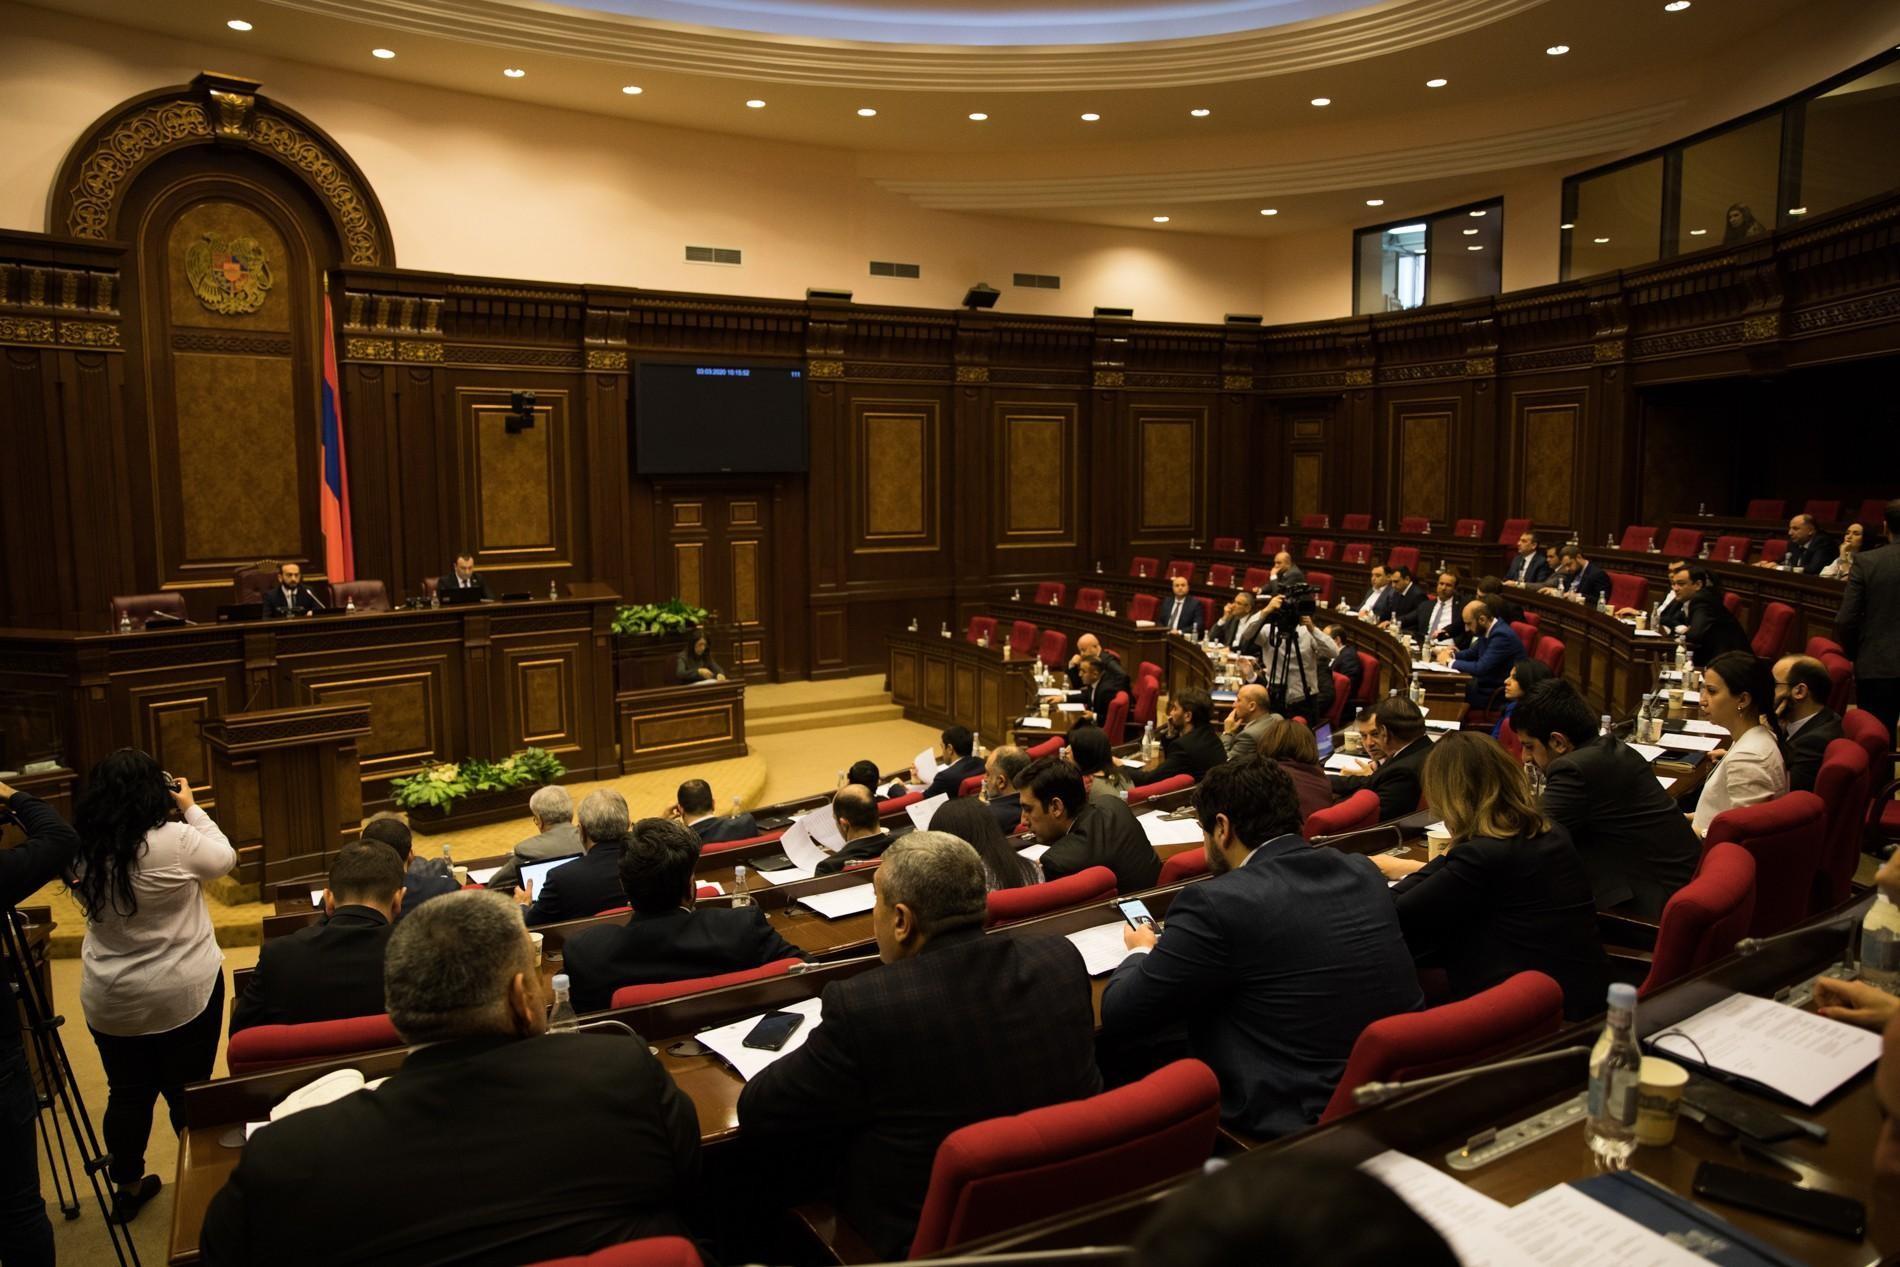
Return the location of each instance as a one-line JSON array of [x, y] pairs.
[[1297, 601]]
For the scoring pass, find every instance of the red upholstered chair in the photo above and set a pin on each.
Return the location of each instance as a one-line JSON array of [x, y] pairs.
[[1516, 1011], [1053, 648], [653, 1251], [1174, 783], [1872, 512], [1872, 735], [1551, 652], [1231, 544], [1050, 593], [1627, 590], [1355, 523], [1181, 567], [1356, 552], [1771, 635], [1819, 646], [1255, 578], [1704, 918], [1022, 638], [1468, 528], [1142, 710], [1088, 598], [1845, 784], [1682, 543], [1774, 550], [1207, 610], [970, 786], [1142, 607], [430, 584], [981, 628], [1513, 529], [1840, 677], [1220, 576], [1342, 696], [885, 808], [1766, 508], [1311, 522], [1825, 510], [1368, 693], [1532, 619], [1787, 836], [1271, 546], [720, 846], [1526, 634], [1414, 523], [1050, 747], [1323, 582], [995, 1175], [1091, 884], [1183, 866], [1732, 601], [1144, 565], [640, 995], [138, 608], [368, 596], [1508, 740], [1402, 557], [1321, 548], [1637, 538], [1117, 720], [1730, 548], [263, 1047], [249, 582], [1355, 813], [1148, 668]]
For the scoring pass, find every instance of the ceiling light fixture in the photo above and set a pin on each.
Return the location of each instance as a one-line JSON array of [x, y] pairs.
[[1599, 241], [1200, 112], [1558, 50], [633, 90], [1375, 202], [1797, 211], [1322, 101], [755, 104], [1159, 219], [1474, 248], [1675, 6], [1471, 233], [384, 53], [238, 24], [1696, 233], [1269, 211], [866, 112], [1091, 117], [1436, 83], [1566, 226], [513, 72], [978, 117], [1476, 215]]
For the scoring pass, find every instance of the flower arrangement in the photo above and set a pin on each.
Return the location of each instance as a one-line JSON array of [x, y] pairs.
[[670, 617], [440, 786]]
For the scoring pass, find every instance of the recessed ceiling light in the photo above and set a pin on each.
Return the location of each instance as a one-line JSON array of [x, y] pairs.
[[1797, 211], [1566, 226], [1375, 202], [514, 72], [1675, 6], [1471, 233], [1436, 83], [1159, 219], [1200, 112], [755, 104], [1474, 247], [1599, 241], [1696, 233], [1558, 50], [1322, 101], [1475, 215], [1269, 211], [384, 53], [866, 112], [238, 24], [1091, 117], [633, 90], [978, 117]]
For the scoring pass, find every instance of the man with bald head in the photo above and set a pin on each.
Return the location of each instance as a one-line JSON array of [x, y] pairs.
[[1247, 723], [1808, 547], [1285, 571], [1494, 648], [1808, 725], [999, 786], [1179, 612], [855, 808], [1089, 645]]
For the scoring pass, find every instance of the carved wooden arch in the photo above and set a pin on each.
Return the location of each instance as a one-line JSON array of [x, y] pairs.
[[213, 110]]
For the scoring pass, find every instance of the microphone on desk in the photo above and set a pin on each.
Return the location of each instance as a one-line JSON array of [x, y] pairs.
[[313, 597], [808, 966], [1079, 1254], [1375, 1092], [1753, 945]]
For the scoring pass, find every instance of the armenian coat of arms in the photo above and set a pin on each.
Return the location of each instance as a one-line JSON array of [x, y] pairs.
[[231, 278]]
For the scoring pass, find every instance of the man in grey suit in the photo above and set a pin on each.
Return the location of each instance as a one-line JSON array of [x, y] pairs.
[[555, 836], [1868, 626], [1247, 723]]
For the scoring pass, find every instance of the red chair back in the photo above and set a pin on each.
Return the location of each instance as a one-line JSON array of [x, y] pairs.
[[1628, 591], [981, 628], [1181, 567], [970, 786], [1271, 546], [885, 808], [1824, 510], [1144, 565], [1355, 523], [1256, 578], [1771, 635], [1513, 529], [1845, 783], [1148, 668], [640, 995], [1732, 601], [1637, 538], [1872, 512], [1368, 692], [653, 1251], [1146, 692], [1787, 836], [1767, 508], [1774, 550], [1508, 740], [1231, 544], [1142, 607], [721, 846], [1468, 528], [136, 607], [1147, 792], [1310, 522], [1526, 634], [1355, 813], [1050, 593], [1321, 548], [1053, 648], [1183, 866], [1551, 652], [1088, 598], [368, 596], [1356, 552], [1414, 523], [1682, 543], [1207, 610], [1220, 576], [1402, 557], [995, 1175], [1704, 918], [1117, 720], [1516, 1011], [1729, 548], [263, 1047], [1872, 735], [1531, 618], [1342, 696], [1091, 884], [1840, 677], [1819, 646], [1047, 748], [1323, 582]]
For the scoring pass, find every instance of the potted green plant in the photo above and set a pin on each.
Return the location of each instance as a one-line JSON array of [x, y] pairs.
[[473, 791], [670, 617]]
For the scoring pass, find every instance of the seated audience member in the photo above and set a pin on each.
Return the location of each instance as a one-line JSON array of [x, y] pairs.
[[693, 805], [334, 967], [1852, 542], [1189, 743], [954, 760], [1088, 749], [1525, 676], [1236, 626], [1394, 733], [1808, 548], [1636, 846], [954, 1028], [1179, 612], [1284, 572], [999, 787], [1248, 952], [1528, 566], [1099, 690], [864, 774], [611, 1144], [1509, 895], [855, 810], [1407, 596], [1808, 725], [1316, 1210], [1441, 621], [669, 936], [1577, 577], [1738, 693], [463, 576], [1551, 559], [1003, 868], [1494, 647], [1089, 645], [1083, 833], [1349, 664], [1674, 610], [555, 836], [1376, 606], [695, 663], [1492, 591], [1295, 750], [423, 878], [1307, 656], [1247, 722], [290, 596], [591, 883], [1710, 627]]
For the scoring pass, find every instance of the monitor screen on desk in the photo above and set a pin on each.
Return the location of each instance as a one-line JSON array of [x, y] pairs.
[[1323, 736], [536, 873], [453, 594]]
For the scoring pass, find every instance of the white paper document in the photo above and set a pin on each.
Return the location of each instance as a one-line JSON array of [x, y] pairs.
[[482, 876], [1465, 1217], [316, 895], [1339, 762], [838, 903], [1053, 692], [1162, 830], [1035, 723], [1071, 708], [1649, 751], [1033, 853], [1692, 743], [790, 875], [728, 1041], [1696, 726], [926, 763], [920, 811], [798, 845], [822, 824], [1647, 633], [1144, 624], [1666, 780], [1801, 1055], [1445, 726], [1102, 947], [1427, 666]]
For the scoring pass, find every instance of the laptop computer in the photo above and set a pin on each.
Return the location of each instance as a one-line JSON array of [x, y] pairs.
[[452, 595]]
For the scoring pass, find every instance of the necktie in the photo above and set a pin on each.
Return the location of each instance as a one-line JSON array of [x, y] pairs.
[[1174, 616]]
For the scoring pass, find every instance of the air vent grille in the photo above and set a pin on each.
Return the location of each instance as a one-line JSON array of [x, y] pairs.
[[1040, 281], [885, 268], [712, 255]]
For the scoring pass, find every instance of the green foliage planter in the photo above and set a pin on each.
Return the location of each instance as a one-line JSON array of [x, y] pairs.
[[670, 617], [454, 795]]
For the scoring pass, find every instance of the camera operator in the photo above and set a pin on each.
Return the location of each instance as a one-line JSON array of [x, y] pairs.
[[1297, 656], [26, 1236]]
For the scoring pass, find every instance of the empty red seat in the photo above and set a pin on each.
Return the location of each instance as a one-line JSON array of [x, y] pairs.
[[1824, 509], [1147, 792], [1526, 634], [1091, 884], [1142, 607], [1627, 590], [982, 629], [1730, 548], [1513, 529], [1787, 837], [1053, 648], [1403, 557], [1356, 552], [1508, 740], [1704, 918], [1874, 738], [1637, 538], [1771, 635], [1550, 651], [263, 1047], [1323, 582], [1356, 813], [1050, 593], [1181, 567], [1342, 699], [1220, 576], [1310, 522], [1355, 523], [641, 995], [1415, 523], [970, 786], [1871, 515], [1227, 543], [1184, 866], [1819, 646], [652, 1251], [1766, 509], [1682, 543], [1022, 637], [1774, 550], [1732, 600], [1142, 708], [363, 596], [1271, 546], [1117, 720], [1468, 528], [1840, 679], [1050, 747], [1845, 784], [138, 608], [1143, 565], [1088, 599], [1148, 668], [1320, 548]]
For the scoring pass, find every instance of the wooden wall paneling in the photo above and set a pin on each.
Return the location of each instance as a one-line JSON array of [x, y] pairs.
[[1424, 439], [519, 488], [1033, 483], [1546, 455], [790, 653], [604, 419], [1166, 471]]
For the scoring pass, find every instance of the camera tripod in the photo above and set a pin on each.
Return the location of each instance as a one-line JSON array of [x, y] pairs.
[[1283, 643]]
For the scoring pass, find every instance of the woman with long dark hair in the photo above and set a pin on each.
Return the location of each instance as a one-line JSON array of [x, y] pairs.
[[152, 979], [1738, 694], [970, 821], [696, 663]]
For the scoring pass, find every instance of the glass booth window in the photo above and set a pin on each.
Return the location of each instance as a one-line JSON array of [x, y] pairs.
[[1728, 185], [1429, 260], [1616, 219], [1847, 143]]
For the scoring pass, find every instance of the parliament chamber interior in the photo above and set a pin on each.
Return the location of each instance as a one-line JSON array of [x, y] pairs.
[[643, 633]]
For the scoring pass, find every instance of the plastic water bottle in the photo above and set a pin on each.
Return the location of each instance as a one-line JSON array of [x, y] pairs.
[[349, 603], [554, 591], [1615, 1072], [125, 622], [740, 895], [448, 862], [1147, 740], [1604, 723], [1880, 945], [435, 598], [561, 1018]]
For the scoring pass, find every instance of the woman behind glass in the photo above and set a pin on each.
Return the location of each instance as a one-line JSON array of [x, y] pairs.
[[1510, 893], [1293, 748], [1851, 542], [152, 976], [1094, 756], [1738, 694], [696, 663], [970, 821]]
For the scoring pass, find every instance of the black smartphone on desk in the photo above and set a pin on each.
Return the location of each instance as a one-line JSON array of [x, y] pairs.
[[1135, 911], [1828, 1211], [774, 1030]]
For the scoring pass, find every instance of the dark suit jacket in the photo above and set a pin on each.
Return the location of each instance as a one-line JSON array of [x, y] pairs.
[[1636, 846], [1713, 629], [1456, 634], [715, 827], [1381, 606], [675, 945], [1193, 752], [1529, 568], [1486, 910], [1812, 557], [951, 777], [1349, 663], [1868, 624], [1008, 811], [1405, 605], [1803, 751], [1111, 667], [1395, 780], [599, 1147], [1097, 698], [1273, 969], [971, 1028], [1671, 614], [42, 857], [425, 878], [1488, 660], [1105, 834], [859, 850], [1192, 617], [330, 970], [447, 582], [1227, 629], [277, 603], [1591, 581], [586, 886]]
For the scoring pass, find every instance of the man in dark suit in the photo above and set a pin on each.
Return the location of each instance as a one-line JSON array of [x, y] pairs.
[[1234, 621], [1407, 595], [1809, 550], [1528, 566], [1674, 610], [1248, 954], [1494, 649], [422, 878], [1376, 606], [1099, 689], [591, 883], [1712, 627], [333, 968], [463, 576], [1394, 734], [1089, 645], [1577, 575], [1441, 621], [1868, 627], [1284, 572], [1491, 590], [669, 938], [290, 596], [1348, 663], [954, 760], [999, 785], [1808, 725], [855, 810], [1190, 744], [555, 836], [1083, 833], [1181, 612], [1636, 846], [955, 1028], [693, 805], [611, 1144]]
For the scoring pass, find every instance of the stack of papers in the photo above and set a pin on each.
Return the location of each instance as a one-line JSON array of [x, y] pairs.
[[926, 763], [1693, 743], [1070, 708], [838, 903], [788, 875], [1426, 666], [728, 1041], [1162, 830], [1696, 726], [1102, 947], [1035, 723], [920, 811], [1791, 1052], [1339, 762], [1431, 724], [481, 877], [1033, 853]]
